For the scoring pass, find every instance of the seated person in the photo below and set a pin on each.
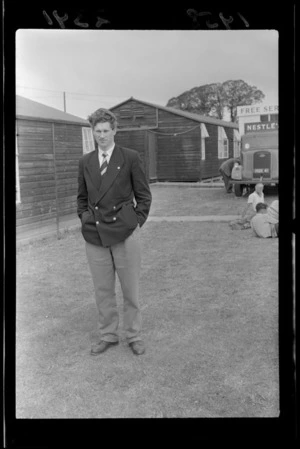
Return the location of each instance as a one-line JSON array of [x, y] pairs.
[[250, 210], [253, 199], [265, 223], [273, 217]]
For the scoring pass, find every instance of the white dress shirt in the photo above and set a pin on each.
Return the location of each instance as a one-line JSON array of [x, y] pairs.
[[108, 152]]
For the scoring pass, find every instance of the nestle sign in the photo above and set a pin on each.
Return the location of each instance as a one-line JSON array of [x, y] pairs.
[[259, 127]]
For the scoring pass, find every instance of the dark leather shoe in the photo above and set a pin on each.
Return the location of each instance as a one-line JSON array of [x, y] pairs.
[[137, 347], [102, 346]]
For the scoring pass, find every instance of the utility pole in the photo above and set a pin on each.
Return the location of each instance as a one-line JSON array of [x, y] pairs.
[[65, 108]]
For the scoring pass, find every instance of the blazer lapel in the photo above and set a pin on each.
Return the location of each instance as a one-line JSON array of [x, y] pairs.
[[113, 169], [94, 169]]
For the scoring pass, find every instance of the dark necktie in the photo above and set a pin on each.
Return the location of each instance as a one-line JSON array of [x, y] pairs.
[[104, 164]]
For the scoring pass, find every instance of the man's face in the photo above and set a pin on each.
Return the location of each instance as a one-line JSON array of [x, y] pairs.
[[104, 135]]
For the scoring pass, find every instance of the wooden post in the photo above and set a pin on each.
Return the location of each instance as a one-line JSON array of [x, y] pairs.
[[65, 107], [55, 178], [200, 157]]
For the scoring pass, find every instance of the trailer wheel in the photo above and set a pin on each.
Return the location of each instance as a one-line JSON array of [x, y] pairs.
[[238, 189]]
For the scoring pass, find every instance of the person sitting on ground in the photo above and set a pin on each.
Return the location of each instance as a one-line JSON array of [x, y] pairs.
[[265, 223], [259, 223], [250, 209], [273, 217], [253, 199], [225, 171]]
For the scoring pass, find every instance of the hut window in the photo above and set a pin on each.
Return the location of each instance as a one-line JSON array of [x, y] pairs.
[[204, 134], [126, 114], [18, 193], [138, 113], [132, 113], [88, 143], [222, 143], [236, 143]]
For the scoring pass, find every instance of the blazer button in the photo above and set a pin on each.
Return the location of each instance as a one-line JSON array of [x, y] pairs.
[[114, 218], [97, 222], [114, 207], [96, 207]]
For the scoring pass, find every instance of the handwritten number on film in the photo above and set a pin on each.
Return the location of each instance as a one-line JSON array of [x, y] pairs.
[[226, 21], [61, 20]]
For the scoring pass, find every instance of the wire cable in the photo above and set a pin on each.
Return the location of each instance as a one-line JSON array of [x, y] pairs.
[[70, 93]]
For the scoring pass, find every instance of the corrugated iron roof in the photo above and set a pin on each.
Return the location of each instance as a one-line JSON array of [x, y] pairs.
[[32, 109], [192, 116]]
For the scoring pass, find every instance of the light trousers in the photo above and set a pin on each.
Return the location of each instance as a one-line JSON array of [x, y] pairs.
[[124, 258]]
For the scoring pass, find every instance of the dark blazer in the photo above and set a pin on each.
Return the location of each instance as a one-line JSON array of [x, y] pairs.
[[110, 207]]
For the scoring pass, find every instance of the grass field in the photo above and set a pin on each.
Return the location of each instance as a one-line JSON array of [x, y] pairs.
[[209, 300], [172, 201]]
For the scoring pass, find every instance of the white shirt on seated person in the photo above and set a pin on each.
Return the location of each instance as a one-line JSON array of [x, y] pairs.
[[254, 198]]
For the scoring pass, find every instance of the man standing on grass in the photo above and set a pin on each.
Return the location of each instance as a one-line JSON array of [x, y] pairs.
[[113, 202]]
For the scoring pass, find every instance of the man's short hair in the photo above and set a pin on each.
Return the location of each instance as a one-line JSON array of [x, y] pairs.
[[261, 206], [101, 116]]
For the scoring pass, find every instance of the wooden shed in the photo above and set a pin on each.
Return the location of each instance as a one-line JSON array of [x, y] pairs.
[[175, 145], [49, 143]]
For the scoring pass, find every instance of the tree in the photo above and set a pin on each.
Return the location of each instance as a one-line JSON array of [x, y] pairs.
[[239, 93], [213, 99], [199, 100]]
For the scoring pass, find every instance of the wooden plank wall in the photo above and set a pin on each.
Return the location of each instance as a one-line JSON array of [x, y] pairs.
[[178, 157], [38, 170], [136, 140], [68, 150], [135, 114], [210, 166]]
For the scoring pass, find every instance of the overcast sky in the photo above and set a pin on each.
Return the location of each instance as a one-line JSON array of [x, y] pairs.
[[102, 68]]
